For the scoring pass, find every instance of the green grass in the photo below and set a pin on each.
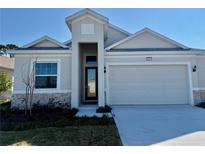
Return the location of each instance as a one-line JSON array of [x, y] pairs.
[[56, 122], [63, 136], [55, 128]]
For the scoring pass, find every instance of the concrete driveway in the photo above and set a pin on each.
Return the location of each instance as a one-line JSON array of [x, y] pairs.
[[160, 125]]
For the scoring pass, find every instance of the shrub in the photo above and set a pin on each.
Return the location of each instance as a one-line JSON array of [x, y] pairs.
[[201, 105], [5, 82], [105, 109]]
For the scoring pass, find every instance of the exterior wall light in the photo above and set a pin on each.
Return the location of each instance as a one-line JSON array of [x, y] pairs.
[[104, 69], [194, 68]]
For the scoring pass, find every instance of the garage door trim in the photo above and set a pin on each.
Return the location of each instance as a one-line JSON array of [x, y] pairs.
[[187, 64]]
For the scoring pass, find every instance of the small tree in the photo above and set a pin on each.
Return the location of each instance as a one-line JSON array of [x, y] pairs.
[[5, 82], [29, 81]]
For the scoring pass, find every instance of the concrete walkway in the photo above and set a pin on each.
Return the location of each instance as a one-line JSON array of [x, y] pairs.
[[90, 111], [160, 125]]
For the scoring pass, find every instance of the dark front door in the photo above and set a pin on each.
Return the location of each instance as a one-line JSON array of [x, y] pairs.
[[91, 89]]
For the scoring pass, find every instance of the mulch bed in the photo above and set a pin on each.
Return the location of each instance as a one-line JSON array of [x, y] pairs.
[[201, 105], [19, 116]]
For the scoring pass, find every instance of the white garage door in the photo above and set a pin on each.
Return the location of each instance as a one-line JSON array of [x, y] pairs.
[[160, 84]]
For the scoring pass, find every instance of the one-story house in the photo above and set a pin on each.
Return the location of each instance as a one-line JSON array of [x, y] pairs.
[[104, 64]]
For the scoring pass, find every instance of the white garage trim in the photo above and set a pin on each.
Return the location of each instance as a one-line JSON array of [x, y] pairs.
[[187, 64]]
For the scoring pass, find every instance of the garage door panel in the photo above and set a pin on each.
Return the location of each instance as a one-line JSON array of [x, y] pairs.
[[148, 84]]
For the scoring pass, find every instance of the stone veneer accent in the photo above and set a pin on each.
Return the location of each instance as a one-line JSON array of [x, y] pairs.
[[199, 96], [202, 93], [62, 100]]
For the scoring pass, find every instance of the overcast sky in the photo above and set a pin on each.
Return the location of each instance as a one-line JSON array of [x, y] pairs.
[[21, 26]]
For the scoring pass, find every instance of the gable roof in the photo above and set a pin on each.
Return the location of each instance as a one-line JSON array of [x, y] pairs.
[[44, 38], [90, 12], [149, 31]]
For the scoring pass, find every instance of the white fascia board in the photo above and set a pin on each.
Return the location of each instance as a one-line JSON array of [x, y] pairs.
[[166, 38], [142, 31], [152, 53], [79, 16], [86, 11], [66, 42], [39, 51], [42, 39]]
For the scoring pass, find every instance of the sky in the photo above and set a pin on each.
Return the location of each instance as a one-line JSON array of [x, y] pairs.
[[21, 26]]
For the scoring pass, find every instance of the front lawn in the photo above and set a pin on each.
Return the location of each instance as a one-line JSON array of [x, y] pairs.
[[55, 127], [63, 136]]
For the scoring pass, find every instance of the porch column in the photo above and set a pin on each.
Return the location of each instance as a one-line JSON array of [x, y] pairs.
[[75, 75], [101, 96]]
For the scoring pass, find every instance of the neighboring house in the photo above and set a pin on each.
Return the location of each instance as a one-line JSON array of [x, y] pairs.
[[6, 66], [104, 64]]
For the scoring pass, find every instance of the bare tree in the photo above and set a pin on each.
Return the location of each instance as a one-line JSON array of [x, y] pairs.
[[29, 80]]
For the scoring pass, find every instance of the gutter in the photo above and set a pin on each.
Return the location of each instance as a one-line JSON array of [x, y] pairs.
[[39, 51], [130, 53]]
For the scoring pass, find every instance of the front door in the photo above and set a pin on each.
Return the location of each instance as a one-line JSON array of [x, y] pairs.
[[91, 89]]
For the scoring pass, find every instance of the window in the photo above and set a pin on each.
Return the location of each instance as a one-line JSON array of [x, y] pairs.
[[46, 75], [91, 59]]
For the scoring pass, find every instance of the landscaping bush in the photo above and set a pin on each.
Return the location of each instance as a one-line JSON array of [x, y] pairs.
[[5, 82], [106, 109], [5, 105], [55, 122], [42, 117]]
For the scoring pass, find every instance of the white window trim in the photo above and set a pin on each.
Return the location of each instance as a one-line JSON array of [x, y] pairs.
[[49, 90], [39, 92], [187, 64]]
